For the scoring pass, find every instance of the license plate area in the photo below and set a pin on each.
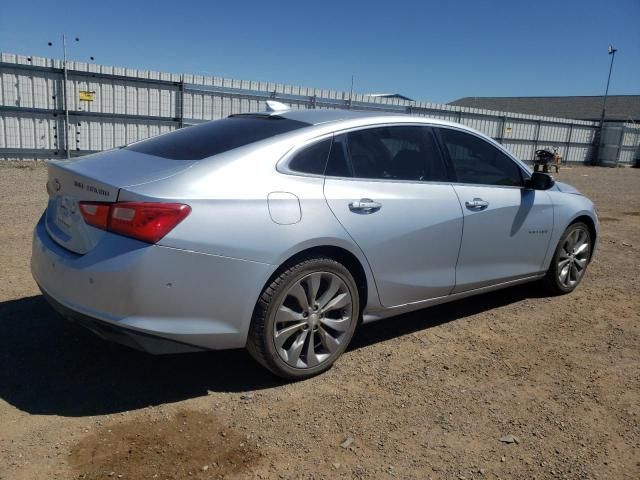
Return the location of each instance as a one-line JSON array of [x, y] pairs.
[[66, 214]]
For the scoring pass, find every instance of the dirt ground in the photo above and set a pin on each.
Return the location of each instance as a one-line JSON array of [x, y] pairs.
[[425, 395]]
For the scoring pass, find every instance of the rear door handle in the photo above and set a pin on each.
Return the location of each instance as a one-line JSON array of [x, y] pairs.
[[476, 204], [364, 206]]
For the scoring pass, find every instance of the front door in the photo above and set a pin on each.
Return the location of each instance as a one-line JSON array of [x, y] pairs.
[[507, 228]]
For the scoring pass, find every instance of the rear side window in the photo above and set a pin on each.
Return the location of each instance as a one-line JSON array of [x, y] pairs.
[[211, 138], [312, 159], [396, 153], [477, 161]]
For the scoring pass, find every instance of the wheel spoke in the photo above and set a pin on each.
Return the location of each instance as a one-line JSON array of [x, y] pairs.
[[567, 247], [574, 273], [340, 325], [332, 289], [313, 285], [297, 292], [312, 357], [578, 249], [564, 274], [339, 301], [293, 354], [574, 238], [581, 262], [282, 335], [327, 340], [285, 314]]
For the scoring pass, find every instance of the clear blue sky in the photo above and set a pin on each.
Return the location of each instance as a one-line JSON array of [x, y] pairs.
[[428, 50]]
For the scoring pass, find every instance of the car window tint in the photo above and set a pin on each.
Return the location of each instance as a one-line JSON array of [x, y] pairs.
[[337, 165], [396, 153], [212, 138], [477, 161], [312, 159]]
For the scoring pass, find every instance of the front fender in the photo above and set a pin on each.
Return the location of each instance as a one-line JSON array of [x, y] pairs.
[[567, 208]]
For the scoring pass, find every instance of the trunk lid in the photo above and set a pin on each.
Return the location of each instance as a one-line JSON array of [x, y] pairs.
[[96, 178]]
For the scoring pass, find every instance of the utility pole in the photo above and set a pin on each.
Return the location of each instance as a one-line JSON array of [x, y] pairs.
[[612, 51], [65, 104], [64, 94]]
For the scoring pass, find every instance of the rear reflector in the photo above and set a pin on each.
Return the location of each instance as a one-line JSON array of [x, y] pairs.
[[144, 221]]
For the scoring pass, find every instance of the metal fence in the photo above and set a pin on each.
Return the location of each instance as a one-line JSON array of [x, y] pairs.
[[111, 106]]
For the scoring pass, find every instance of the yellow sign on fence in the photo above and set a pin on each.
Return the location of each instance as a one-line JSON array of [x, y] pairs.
[[87, 96]]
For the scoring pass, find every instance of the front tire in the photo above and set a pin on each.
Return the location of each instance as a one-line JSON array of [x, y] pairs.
[[570, 260], [305, 318]]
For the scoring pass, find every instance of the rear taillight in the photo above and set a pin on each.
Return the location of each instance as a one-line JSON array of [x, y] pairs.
[[95, 214], [148, 222], [144, 221]]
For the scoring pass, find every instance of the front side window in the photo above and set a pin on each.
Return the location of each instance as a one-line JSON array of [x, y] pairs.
[[476, 161], [396, 153]]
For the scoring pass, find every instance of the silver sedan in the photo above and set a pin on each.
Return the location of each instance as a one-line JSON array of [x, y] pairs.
[[282, 231]]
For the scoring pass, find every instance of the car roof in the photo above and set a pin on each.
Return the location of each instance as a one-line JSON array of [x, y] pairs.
[[321, 122], [324, 116], [319, 116]]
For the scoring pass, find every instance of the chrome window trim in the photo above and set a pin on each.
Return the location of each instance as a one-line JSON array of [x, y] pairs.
[[384, 180]]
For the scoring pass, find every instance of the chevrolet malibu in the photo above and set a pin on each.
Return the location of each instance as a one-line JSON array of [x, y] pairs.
[[282, 231]]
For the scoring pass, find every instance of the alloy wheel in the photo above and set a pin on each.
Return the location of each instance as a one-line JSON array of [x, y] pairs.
[[312, 320], [573, 257]]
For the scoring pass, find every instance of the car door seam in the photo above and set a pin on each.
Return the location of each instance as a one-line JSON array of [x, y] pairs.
[[455, 270], [553, 226], [375, 283]]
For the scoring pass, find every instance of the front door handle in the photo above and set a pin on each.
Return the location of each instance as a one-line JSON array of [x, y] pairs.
[[476, 204], [364, 206]]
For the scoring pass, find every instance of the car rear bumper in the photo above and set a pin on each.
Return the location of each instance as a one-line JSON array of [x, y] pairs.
[[115, 332], [136, 293]]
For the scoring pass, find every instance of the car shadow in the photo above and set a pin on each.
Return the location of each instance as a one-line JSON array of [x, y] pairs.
[[49, 366], [437, 315]]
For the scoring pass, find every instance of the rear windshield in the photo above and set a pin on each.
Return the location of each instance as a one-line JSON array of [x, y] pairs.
[[211, 138]]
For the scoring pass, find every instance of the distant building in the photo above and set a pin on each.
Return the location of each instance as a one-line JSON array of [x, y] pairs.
[[390, 95], [620, 108]]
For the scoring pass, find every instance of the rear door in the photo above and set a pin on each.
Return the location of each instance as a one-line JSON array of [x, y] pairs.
[[388, 187], [507, 228]]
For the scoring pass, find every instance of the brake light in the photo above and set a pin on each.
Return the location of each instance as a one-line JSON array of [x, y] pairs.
[[144, 221], [148, 222]]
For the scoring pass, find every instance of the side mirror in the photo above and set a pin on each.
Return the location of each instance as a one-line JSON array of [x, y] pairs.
[[540, 181]]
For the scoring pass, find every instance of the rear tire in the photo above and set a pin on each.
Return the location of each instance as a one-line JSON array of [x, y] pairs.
[[305, 318], [570, 260]]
